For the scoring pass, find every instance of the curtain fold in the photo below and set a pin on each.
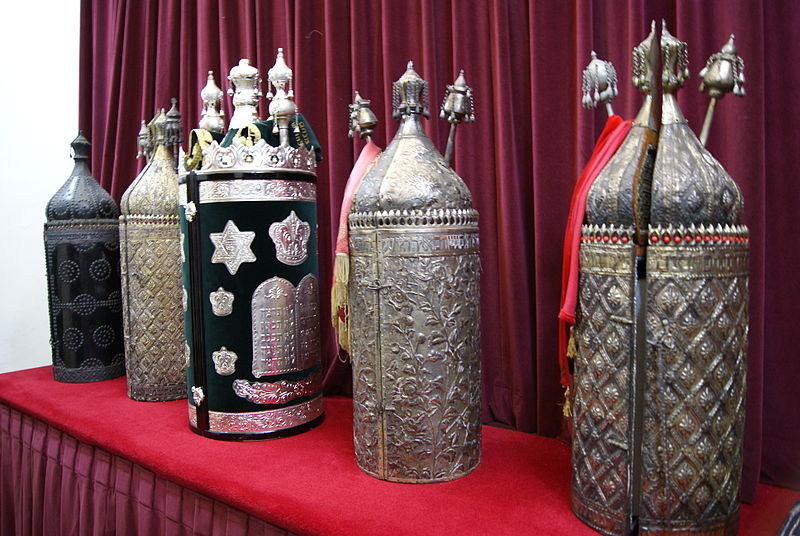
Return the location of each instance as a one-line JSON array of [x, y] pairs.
[[520, 159]]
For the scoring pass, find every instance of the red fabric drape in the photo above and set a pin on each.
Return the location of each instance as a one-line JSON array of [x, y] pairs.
[[520, 159], [52, 483]]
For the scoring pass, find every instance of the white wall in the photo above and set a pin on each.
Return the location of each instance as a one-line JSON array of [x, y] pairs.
[[39, 96]]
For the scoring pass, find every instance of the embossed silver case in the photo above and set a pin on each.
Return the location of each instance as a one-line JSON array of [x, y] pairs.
[[415, 309], [251, 296]]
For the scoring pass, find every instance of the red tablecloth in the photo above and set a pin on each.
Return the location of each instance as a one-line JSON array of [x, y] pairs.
[[309, 483]]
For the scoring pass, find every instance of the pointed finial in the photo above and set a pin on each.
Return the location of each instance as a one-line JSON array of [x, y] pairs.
[[643, 77], [157, 128], [211, 119], [80, 147], [457, 105], [172, 125], [362, 119], [675, 70], [599, 83], [144, 142], [280, 76], [211, 93], [409, 94], [281, 106], [723, 73]]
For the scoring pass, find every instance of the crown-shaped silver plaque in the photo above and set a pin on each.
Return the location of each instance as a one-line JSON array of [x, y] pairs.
[[291, 239], [258, 157]]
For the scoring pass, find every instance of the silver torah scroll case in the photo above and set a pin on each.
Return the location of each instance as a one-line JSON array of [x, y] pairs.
[[150, 267], [661, 331], [249, 258], [414, 303]]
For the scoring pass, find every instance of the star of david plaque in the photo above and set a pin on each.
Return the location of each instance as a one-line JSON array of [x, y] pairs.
[[232, 247]]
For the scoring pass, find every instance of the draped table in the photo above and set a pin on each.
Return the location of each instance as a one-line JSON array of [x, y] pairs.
[[86, 459]]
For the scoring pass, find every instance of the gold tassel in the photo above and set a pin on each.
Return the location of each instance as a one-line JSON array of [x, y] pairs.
[[340, 300], [567, 409], [572, 351]]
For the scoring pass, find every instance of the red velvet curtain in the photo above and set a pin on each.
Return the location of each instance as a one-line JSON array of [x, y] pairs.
[[520, 159]]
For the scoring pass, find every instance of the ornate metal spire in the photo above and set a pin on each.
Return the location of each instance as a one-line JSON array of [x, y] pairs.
[[409, 94], [643, 76], [212, 119], [362, 119], [599, 83], [282, 106], [724, 72], [144, 142], [674, 72], [676, 61], [246, 80], [457, 107]]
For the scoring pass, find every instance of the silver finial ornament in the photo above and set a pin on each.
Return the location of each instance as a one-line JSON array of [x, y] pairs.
[[599, 83], [362, 118], [642, 71], [723, 73], [245, 79], [144, 142], [212, 119], [281, 106], [409, 95], [457, 107]]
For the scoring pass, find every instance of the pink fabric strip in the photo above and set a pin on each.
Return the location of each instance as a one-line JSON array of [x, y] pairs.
[[368, 154]]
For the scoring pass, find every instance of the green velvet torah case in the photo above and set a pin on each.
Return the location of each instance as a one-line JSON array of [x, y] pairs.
[[251, 294]]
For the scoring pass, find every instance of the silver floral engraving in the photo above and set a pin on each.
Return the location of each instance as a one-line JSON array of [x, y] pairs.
[[270, 420], [198, 395], [221, 302], [285, 325], [232, 247], [278, 392], [226, 191], [224, 361], [185, 300], [187, 353], [291, 239], [415, 351]]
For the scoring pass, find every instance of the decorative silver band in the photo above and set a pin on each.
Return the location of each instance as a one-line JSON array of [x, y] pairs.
[[432, 242], [270, 420], [236, 190], [414, 218]]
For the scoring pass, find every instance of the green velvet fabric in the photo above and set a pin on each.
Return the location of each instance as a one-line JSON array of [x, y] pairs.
[[305, 135], [235, 330]]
